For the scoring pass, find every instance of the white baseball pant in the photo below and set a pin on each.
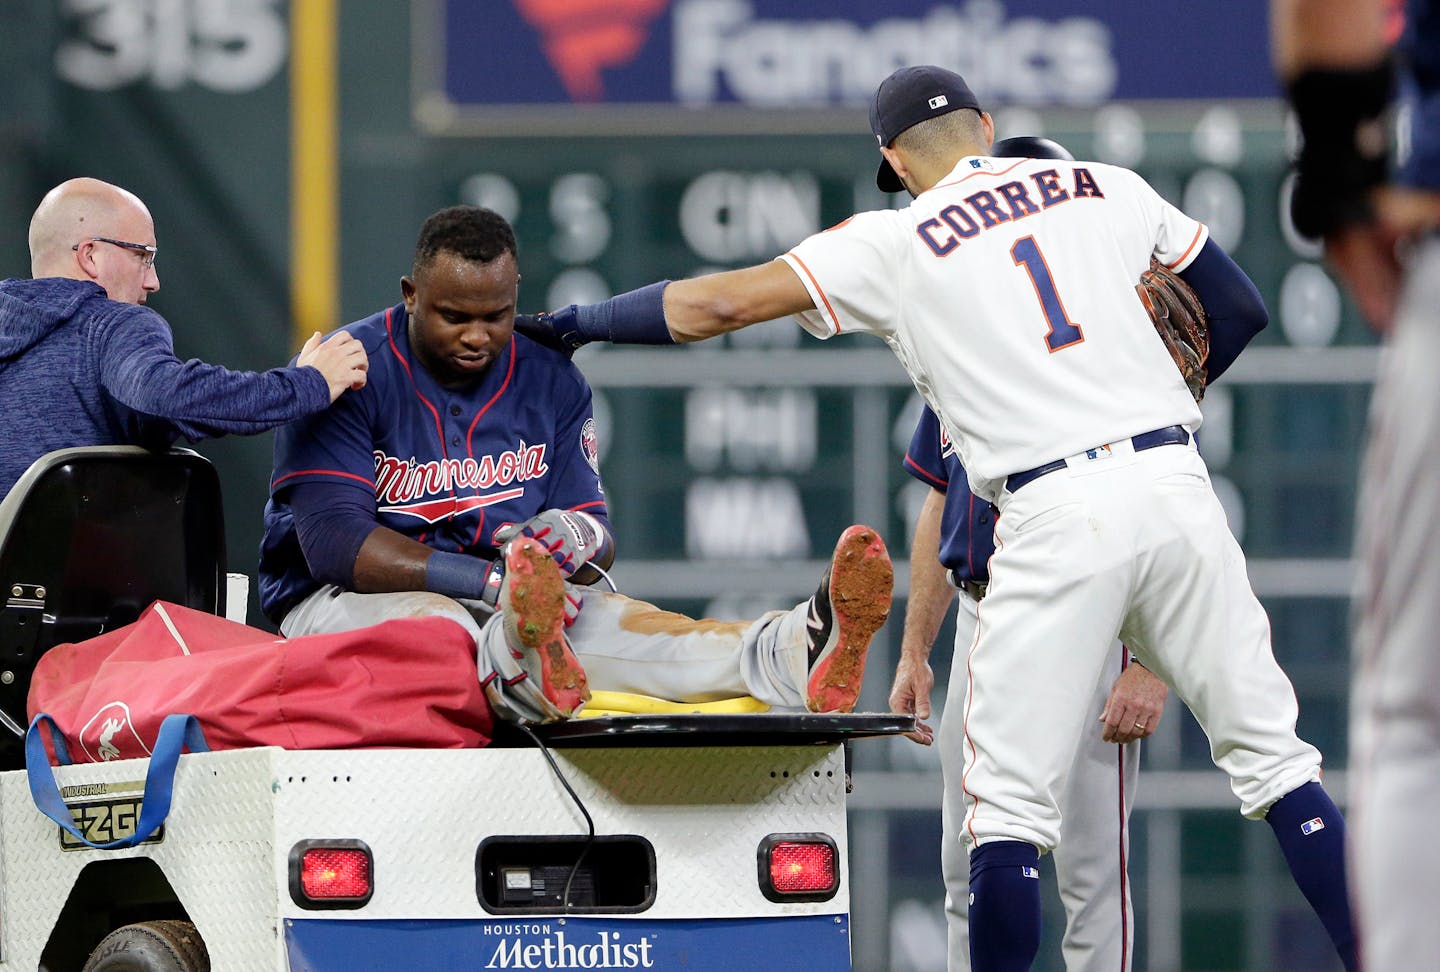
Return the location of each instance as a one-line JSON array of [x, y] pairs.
[[1124, 544], [1095, 807]]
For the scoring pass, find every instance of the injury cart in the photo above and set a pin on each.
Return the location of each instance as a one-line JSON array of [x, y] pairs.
[[658, 841]]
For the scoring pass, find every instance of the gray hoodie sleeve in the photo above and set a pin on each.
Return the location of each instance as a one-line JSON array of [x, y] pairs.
[[138, 368]]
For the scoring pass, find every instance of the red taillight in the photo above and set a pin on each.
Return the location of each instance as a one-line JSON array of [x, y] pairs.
[[799, 867], [331, 874]]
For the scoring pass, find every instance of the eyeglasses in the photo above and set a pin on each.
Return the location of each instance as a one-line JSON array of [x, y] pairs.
[[148, 249]]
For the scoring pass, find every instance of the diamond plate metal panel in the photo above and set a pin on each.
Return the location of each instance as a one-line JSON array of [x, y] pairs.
[[705, 810], [216, 853], [423, 813]]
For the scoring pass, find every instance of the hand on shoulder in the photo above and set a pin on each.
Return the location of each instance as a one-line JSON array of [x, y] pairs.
[[340, 358]]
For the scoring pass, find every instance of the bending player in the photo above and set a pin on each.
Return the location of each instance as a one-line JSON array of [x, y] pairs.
[[1007, 291], [465, 476], [954, 540]]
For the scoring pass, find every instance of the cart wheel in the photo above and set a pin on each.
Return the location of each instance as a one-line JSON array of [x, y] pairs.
[[151, 946]]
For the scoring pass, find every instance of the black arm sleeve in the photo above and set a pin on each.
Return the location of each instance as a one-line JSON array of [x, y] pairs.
[[332, 522], [1236, 311]]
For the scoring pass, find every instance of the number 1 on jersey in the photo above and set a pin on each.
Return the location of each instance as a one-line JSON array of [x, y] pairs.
[[1063, 332]]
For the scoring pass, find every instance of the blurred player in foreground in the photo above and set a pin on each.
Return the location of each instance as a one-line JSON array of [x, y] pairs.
[[1334, 57], [465, 477], [1007, 291], [83, 363]]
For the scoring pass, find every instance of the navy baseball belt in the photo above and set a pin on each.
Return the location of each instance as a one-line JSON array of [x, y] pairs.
[[1170, 435], [975, 588]]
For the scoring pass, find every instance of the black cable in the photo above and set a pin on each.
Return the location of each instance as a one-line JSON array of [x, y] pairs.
[[589, 821]]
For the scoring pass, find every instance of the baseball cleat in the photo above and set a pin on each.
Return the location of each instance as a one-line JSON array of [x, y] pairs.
[[852, 603], [532, 604]]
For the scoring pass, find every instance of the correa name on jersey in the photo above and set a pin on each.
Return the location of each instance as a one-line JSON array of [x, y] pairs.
[[1008, 201], [555, 952]]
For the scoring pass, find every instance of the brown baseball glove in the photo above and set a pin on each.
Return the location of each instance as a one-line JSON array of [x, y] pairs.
[[1180, 321]]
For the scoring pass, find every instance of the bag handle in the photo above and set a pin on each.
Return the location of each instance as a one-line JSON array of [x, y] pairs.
[[177, 733]]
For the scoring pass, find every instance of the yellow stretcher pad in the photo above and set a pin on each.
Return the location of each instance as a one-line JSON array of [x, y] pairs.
[[628, 703]]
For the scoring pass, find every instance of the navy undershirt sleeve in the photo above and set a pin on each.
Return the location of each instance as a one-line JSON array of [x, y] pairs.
[[332, 521], [1236, 311]]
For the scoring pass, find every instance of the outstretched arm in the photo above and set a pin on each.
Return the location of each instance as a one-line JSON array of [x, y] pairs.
[[717, 303], [677, 311]]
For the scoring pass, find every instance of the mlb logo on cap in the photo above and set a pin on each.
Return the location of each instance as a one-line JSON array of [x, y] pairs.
[[908, 97]]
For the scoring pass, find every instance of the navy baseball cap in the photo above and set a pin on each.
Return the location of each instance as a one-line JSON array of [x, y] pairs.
[[908, 97]]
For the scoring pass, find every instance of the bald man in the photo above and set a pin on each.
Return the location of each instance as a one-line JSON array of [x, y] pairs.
[[82, 362]]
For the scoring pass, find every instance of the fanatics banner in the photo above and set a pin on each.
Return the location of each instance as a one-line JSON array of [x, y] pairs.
[[793, 54]]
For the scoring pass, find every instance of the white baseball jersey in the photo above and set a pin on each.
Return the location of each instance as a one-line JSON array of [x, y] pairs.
[[1014, 241]]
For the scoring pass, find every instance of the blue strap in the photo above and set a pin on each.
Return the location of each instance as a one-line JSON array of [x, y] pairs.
[[177, 733]]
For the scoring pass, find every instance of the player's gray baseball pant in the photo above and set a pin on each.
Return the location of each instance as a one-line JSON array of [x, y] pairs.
[[625, 645], [1395, 701]]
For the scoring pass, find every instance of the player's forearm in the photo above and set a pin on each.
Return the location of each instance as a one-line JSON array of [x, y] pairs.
[[389, 561], [1325, 34], [717, 303], [1332, 57], [678, 311], [930, 591]]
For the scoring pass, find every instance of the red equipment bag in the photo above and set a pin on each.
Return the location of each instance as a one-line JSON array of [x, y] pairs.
[[409, 682]]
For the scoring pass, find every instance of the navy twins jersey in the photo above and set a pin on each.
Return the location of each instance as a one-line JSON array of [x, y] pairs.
[[967, 522], [442, 466]]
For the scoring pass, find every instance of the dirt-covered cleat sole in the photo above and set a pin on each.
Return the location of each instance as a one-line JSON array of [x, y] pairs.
[[532, 603], [852, 603]]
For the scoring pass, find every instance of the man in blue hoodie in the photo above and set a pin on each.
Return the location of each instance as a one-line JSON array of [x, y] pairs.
[[83, 362]]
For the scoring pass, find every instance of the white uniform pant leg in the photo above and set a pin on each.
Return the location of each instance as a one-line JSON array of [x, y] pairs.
[[1198, 625], [1057, 593], [1090, 860], [1395, 700], [626, 645]]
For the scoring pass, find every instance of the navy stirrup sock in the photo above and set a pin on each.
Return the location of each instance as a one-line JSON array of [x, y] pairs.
[[1311, 833], [1004, 906]]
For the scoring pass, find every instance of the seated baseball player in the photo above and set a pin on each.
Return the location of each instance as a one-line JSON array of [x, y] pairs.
[[464, 481]]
